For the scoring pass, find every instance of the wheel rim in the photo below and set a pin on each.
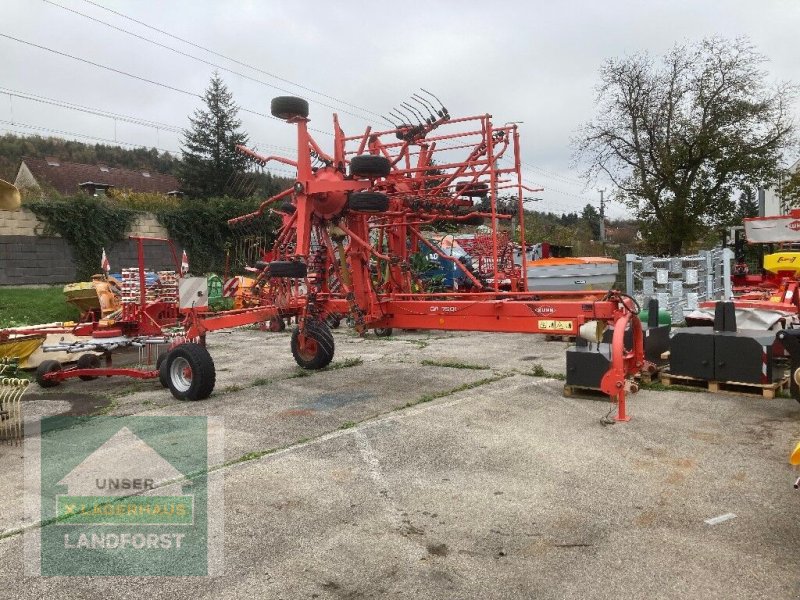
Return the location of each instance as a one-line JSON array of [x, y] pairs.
[[180, 373], [307, 347]]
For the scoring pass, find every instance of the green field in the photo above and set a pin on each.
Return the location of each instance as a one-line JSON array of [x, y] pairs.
[[31, 306]]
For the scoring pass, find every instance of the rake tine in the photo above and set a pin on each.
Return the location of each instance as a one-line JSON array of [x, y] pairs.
[[420, 116], [432, 117], [443, 110]]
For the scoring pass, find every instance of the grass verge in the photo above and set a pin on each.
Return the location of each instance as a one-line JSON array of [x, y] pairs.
[[32, 306]]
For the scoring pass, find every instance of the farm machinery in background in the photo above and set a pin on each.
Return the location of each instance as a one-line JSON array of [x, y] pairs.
[[353, 225], [355, 218]]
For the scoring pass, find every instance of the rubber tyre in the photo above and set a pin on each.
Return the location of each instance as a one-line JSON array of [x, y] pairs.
[[288, 107], [287, 268], [163, 376], [88, 361], [333, 321], [383, 332], [288, 208], [202, 377], [371, 202], [370, 166], [47, 366], [472, 190], [320, 354], [276, 325]]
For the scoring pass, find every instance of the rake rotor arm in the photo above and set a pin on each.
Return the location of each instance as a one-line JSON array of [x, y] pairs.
[[263, 160], [261, 208]]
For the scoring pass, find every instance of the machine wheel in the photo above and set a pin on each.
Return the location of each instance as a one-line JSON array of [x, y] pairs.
[[383, 332], [288, 207], [333, 321], [88, 361], [189, 372], [472, 190], [370, 166], [312, 348], [371, 202], [47, 366], [287, 268], [277, 324], [288, 107], [162, 375]]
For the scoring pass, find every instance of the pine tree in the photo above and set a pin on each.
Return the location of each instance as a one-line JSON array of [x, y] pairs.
[[211, 167]]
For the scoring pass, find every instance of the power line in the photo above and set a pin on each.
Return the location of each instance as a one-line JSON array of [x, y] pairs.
[[139, 78], [113, 115], [553, 175], [193, 57], [18, 126], [233, 60]]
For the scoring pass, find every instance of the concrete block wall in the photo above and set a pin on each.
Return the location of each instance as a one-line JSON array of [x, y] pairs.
[[26, 258], [19, 222], [147, 225]]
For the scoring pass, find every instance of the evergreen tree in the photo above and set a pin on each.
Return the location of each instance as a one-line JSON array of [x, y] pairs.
[[211, 167]]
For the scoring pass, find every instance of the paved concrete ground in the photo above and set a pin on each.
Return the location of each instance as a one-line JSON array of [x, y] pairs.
[[401, 479]]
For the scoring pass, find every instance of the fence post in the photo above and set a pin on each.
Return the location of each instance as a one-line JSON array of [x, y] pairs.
[[629, 259]]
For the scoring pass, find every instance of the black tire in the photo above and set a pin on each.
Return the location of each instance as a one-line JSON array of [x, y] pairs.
[[163, 376], [199, 382], [287, 268], [88, 361], [288, 207], [472, 190], [383, 332], [333, 321], [318, 352], [47, 366], [288, 107], [370, 166], [371, 202]]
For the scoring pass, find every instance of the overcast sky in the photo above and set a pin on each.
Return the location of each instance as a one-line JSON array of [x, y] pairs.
[[535, 62]]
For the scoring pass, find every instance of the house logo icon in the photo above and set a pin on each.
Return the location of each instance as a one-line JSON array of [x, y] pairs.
[[119, 483], [127, 495]]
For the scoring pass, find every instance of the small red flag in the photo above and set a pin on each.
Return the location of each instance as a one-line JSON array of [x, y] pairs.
[[104, 264]]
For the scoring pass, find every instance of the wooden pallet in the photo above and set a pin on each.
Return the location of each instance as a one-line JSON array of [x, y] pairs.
[[766, 390], [586, 392], [559, 338], [648, 377]]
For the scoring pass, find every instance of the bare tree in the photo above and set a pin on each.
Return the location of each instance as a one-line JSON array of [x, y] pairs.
[[677, 136]]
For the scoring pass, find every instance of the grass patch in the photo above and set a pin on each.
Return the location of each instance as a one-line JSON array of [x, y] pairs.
[[32, 306], [105, 409], [539, 371], [261, 381], [455, 390], [348, 425], [452, 364], [344, 364], [298, 373], [657, 386]]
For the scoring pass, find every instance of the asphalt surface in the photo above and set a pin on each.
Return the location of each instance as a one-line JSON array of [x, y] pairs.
[[401, 473]]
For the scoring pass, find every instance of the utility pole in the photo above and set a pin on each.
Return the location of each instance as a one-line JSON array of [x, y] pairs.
[[602, 220]]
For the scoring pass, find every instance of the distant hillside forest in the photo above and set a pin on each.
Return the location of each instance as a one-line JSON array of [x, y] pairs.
[[14, 147]]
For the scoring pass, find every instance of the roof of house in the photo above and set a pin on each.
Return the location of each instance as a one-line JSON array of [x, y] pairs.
[[67, 177]]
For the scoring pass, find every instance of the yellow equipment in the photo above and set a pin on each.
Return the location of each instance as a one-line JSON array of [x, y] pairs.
[[10, 198], [783, 262]]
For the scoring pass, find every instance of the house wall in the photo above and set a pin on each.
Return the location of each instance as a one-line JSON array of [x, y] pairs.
[[28, 258]]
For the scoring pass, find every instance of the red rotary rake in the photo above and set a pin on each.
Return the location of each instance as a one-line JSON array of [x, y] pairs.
[[354, 218]]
